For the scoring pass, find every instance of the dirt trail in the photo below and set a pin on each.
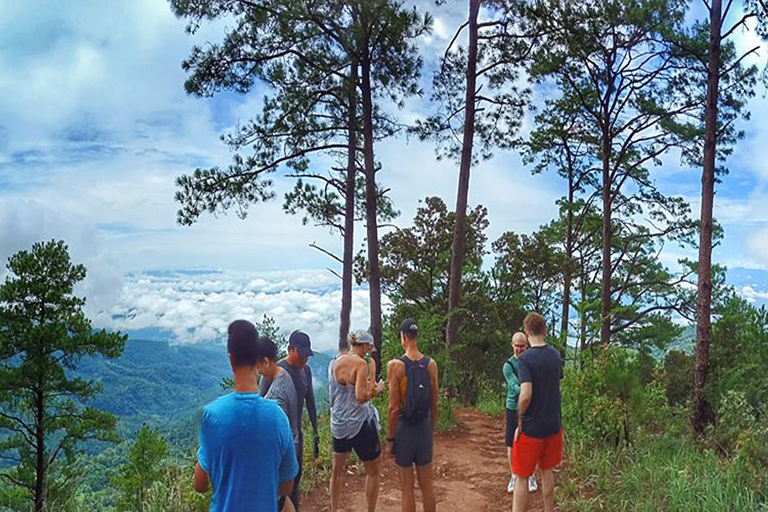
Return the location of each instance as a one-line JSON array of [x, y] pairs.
[[470, 471]]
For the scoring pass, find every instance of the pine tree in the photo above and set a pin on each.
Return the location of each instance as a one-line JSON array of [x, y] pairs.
[[144, 467], [43, 335]]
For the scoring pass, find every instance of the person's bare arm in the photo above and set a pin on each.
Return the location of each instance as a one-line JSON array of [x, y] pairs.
[[393, 412], [526, 392], [364, 388], [201, 479], [285, 488], [435, 391]]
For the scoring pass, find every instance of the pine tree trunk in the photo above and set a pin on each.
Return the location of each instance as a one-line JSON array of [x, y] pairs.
[[605, 295], [39, 490], [349, 214], [374, 277], [701, 410], [567, 274], [583, 317], [458, 247]]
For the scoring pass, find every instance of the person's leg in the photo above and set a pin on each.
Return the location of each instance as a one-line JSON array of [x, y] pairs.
[[406, 482], [424, 474], [288, 506], [520, 497], [509, 459], [295, 494], [551, 457], [527, 452], [337, 471], [548, 489], [371, 483]]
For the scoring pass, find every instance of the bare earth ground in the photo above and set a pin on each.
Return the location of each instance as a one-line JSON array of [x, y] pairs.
[[470, 469]]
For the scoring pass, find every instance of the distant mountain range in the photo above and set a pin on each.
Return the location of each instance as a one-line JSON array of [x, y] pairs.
[[166, 385]]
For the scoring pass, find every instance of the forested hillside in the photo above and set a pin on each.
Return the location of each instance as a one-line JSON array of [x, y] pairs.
[[165, 385]]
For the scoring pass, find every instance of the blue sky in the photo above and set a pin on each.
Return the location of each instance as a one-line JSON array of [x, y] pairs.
[[95, 126]]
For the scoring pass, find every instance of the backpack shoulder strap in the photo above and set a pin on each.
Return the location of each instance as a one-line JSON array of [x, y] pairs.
[[514, 370]]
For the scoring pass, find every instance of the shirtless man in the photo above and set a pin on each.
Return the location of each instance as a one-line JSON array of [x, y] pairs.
[[413, 393], [354, 420]]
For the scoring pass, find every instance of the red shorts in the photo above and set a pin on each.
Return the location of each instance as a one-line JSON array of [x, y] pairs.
[[527, 452]]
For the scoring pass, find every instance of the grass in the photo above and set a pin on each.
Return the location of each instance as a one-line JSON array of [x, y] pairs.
[[492, 400], [656, 474]]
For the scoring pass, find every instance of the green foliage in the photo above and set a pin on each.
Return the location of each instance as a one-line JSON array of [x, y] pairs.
[[415, 265], [666, 473], [678, 375], [43, 336], [607, 400], [739, 354], [492, 398], [174, 493], [143, 468]]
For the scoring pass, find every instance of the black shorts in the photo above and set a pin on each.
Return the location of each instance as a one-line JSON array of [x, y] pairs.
[[281, 503], [511, 426], [413, 443], [366, 443]]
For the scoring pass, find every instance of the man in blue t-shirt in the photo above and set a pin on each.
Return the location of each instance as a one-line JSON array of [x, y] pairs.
[[246, 447]]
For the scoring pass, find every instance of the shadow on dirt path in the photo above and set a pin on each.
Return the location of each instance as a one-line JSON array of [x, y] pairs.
[[470, 469]]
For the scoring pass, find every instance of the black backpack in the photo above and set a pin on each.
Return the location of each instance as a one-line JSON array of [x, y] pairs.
[[418, 392]]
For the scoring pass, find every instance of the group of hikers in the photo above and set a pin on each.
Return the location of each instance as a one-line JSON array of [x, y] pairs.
[[251, 441]]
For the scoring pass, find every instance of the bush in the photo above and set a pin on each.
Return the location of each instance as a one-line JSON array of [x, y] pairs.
[[678, 377]]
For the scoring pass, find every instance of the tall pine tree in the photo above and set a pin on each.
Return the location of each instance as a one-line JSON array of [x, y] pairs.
[[44, 416]]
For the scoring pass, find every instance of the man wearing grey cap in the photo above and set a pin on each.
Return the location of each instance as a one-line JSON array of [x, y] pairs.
[[354, 420], [299, 352]]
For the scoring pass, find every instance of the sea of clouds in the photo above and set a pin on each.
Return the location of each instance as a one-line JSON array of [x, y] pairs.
[[197, 306]]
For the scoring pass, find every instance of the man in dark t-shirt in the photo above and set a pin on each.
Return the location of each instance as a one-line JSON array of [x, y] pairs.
[[539, 434], [299, 351]]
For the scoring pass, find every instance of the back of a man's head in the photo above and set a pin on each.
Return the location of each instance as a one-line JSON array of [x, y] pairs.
[[410, 329], [267, 349], [535, 325], [243, 343]]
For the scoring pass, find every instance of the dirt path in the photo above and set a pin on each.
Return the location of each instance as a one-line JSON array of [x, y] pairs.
[[470, 471]]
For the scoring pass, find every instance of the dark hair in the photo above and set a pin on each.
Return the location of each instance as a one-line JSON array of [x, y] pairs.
[[410, 328], [267, 348], [242, 343]]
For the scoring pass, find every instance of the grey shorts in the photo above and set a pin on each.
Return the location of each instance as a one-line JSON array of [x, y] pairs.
[[413, 443]]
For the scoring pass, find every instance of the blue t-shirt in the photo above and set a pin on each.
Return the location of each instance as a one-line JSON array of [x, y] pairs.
[[246, 448]]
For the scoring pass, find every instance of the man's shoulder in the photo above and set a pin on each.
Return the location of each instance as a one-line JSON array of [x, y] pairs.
[[218, 405], [395, 367], [281, 383]]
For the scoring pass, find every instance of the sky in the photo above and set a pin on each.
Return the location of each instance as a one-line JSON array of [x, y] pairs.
[[95, 126]]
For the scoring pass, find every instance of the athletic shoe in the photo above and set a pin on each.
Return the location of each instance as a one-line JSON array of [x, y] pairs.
[[511, 484], [532, 485]]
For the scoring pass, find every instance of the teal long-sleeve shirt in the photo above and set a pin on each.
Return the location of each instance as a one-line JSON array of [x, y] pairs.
[[513, 383]]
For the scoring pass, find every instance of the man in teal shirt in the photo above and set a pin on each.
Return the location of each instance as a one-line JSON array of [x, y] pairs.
[[519, 344]]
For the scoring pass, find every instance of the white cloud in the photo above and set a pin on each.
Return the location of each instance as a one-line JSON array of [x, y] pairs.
[[199, 306]]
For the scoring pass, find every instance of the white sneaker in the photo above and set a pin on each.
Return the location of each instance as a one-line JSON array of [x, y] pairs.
[[511, 484], [532, 485]]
